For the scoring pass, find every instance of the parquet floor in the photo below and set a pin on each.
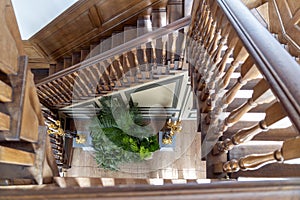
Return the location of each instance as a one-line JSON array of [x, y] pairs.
[[183, 163]]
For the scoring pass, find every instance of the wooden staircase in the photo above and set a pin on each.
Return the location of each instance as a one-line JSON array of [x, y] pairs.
[[247, 99], [23, 138], [235, 90], [125, 65]]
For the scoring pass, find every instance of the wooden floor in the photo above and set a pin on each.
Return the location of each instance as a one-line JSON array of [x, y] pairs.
[[183, 163]]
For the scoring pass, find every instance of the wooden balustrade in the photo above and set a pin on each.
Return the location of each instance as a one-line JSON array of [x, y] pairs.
[[262, 94], [216, 53], [106, 72], [274, 114], [288, 152], [248, 72]]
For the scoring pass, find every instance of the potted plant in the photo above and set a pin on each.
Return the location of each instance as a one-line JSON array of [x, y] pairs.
[[120, 135]]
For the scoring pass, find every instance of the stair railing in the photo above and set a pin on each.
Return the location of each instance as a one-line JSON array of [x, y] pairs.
[[225, 42], [114, 69]]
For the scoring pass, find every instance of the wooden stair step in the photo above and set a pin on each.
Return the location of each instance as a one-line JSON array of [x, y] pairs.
[[4, 122], [5, 92], [117, 38], [15, 156], [94, 49], [84, 54], [130, 32], [67, 62], [105, 44], [76, 57]]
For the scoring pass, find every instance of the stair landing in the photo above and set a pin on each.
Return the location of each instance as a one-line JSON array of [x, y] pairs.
[[183, 163]]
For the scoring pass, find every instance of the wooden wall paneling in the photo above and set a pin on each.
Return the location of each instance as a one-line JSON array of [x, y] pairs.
[[36, 57], [96, 18], [11, 46]]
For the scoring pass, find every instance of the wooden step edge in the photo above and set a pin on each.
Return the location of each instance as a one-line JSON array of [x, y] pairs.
[[17, 157], [4, 122], [5, 92]]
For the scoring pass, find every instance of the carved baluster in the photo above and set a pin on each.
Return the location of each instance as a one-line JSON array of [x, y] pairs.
[[173, 49], [114, 72], [131, 70], [240, 55], [95, 79], [274, 114], [233, 39], [164, 43], [288, 152], [207, 52], [80, 83], [213, 46], [62, 89], [204, 22], [136, 63], [197, 31], [262, 94], [120, 66], [154, 58], [202, 12], [182, 51], [213, 60], [217, 23], [145, 72], [216, 77], [101, 78], [104, 70], [251, 162], [249, 72]]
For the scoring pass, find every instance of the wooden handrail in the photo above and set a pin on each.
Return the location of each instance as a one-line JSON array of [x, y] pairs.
[[119, 50], [277, 66]]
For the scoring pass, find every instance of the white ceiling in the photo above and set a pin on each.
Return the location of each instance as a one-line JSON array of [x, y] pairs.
[[33, 15]]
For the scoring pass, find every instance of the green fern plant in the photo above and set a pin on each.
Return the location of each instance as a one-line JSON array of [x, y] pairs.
[[120, 136]]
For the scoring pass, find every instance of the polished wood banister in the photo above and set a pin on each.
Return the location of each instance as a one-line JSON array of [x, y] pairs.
[[119, 50], [277, 66]]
